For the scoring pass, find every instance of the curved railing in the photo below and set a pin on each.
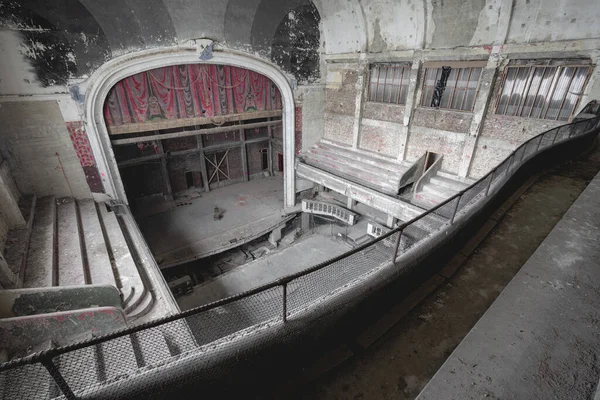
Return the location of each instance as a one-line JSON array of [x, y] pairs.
[[223, 328]]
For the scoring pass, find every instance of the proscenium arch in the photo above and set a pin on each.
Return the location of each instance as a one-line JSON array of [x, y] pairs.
[[122, 67]]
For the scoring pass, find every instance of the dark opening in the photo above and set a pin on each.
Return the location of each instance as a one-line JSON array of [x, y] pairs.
[[189, 179], [430, 158], [265, 159], [280, 162]]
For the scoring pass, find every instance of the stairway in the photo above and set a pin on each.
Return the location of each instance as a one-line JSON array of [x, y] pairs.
[[370, 170], [69, 242], [438, 188], [74, 277]]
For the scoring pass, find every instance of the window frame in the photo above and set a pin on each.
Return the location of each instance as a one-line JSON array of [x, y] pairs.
[[454, 65], [532, 65], [405, 67]]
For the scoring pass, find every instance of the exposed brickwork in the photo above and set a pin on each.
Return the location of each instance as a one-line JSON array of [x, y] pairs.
[[450, 145], [451, 121], [383, 112], [180, 144], [255, 157], [343, 100], [379, 140], [179, 165], [339, 128]]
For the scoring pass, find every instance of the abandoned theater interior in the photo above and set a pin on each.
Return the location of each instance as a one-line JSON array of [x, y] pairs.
[[299, 198]]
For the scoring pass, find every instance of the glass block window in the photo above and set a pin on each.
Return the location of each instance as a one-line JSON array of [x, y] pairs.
[[388, 83], [450, 88], [546, 92]]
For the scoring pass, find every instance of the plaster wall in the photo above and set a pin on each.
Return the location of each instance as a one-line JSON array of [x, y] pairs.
[[36, 144]]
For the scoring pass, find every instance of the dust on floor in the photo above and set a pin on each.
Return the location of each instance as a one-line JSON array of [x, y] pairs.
[[403, 361]]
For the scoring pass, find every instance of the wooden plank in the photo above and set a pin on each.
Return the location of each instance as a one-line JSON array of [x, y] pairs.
[[40, 258], [70, 258], [183, 122], [175, 135], [98, 263]]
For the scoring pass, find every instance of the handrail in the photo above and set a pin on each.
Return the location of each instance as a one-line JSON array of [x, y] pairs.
[[484, 186]]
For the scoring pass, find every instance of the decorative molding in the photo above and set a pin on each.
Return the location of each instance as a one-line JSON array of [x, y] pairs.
[[121, 67]]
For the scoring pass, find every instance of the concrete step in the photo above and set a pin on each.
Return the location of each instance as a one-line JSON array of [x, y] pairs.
[[17, 243], [428, 200], [361, 156], [385, 178], [61, 328], [387, 189], [99, 264], [70, 256], [130, 282], [41, 261], [141, 308], [457, 186], [455, 177], [33, 301], [351, 159], [439, 191]]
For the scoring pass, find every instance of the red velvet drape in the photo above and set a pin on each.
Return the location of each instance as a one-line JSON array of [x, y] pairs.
[[187, 91]]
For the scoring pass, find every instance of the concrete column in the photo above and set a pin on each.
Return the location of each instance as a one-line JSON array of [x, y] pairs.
[[360, 95], [391, 221], [486, 86], [482, 102], [412, 101], [305, 222], [350, 203]]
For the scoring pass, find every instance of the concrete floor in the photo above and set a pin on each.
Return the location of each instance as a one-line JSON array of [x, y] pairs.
[[539, 340], [188, 231], [401, 363], [311, 250]]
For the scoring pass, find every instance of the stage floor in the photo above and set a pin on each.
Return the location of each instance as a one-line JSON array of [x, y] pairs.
[[188, 232]]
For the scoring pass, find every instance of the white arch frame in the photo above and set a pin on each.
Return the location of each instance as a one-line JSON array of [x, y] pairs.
[[121, 67]]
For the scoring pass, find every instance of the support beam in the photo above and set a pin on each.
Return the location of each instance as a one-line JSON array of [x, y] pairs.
[[480, 109], [244, 154], [358, 111], [183, 122], [165, 171], [176, 135], [203, 169], [412, 100]]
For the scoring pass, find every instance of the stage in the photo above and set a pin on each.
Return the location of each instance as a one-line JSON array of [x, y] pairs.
[[185, 230]]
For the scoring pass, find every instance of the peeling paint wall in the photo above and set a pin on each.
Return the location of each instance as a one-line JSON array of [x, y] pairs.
[[36, 144]]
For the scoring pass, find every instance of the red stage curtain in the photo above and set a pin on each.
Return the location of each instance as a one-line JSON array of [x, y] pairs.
[[187, 91]]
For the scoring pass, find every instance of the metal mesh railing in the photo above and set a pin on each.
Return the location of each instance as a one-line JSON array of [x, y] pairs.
[[109, 363]]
